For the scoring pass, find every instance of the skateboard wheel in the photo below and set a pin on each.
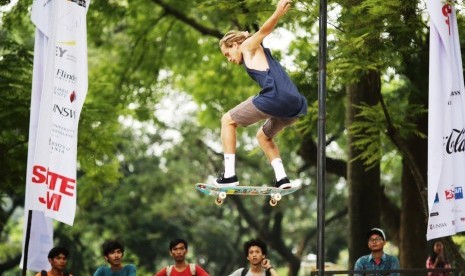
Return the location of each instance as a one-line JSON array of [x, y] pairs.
[[222, 195], [273, 202], [277, 196], [218, 201]]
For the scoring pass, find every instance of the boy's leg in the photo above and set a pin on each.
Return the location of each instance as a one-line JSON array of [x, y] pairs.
[[268, 146], [243, 114], [228, 134], [228, 139], [265, 139], [271, 151]]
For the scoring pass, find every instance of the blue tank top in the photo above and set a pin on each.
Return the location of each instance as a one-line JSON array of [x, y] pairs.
[[279, 96]]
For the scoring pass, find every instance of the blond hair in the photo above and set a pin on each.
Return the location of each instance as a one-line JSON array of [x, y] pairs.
[[233, 36]]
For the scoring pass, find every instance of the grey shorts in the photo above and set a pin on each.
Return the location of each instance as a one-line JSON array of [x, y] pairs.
[[246, 113]]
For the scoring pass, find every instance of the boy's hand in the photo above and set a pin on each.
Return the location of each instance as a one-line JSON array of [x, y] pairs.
[[266, 264], [283, 6]]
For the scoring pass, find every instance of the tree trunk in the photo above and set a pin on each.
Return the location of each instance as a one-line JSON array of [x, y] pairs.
[[412, 246], [364, 184]]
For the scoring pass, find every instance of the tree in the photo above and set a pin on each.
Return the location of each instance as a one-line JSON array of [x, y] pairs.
[[148, 52]]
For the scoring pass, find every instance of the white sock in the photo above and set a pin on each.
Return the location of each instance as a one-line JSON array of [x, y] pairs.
[[229, 165], [278, 168]]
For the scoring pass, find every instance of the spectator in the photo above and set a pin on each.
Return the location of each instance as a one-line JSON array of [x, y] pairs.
[[58, 258], [437, 259], [377, 260], [255, 252], [113, 252], [178, 250]]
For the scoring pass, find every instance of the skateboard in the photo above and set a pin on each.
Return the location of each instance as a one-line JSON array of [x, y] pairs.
[[221, 192]]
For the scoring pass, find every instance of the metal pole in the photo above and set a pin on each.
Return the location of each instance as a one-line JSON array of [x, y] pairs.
[[26, 242], [321, 151]]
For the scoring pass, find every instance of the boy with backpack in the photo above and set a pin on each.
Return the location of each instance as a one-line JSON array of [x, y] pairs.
[[58, 258], [178, 250], [255, 252]]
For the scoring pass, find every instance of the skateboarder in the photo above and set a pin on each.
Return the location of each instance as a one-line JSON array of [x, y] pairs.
[[279, 102]]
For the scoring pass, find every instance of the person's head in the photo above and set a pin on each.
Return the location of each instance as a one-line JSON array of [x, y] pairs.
[[438, 256], [113, 251], [376, 239], [178, 249], [438, 247], [58, 258], [255, 251], [230, 45]]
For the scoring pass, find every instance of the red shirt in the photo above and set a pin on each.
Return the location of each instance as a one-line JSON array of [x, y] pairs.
[[186, 272]]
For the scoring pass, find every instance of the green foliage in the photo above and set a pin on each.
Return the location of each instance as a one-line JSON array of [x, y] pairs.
[[138, 159], [370, 128]]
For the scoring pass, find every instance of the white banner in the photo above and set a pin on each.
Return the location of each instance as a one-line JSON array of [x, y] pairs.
[[41, 230], [54, 98], [446, 129], [40, 242], [51, 182]]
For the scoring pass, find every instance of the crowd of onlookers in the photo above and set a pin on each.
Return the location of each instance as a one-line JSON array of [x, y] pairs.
[[113, 251], [255, 252]]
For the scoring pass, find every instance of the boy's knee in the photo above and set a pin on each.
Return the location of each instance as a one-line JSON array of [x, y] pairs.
[[227, 120]]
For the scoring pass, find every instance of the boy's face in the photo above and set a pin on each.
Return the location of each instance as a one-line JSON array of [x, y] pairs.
[[115, 257], [233, 53], [376, 243], [59, 262], [179, 252], [255, 255]]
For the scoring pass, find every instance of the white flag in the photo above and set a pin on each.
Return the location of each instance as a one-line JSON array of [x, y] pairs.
[[41, 229], [446, 124], [51, 181], [59, 87]]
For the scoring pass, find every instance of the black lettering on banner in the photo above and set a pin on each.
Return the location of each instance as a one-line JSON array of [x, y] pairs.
[[455, 142], [81, 3]]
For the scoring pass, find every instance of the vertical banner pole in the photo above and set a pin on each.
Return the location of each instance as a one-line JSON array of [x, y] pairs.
[[26, 242], [321, 158]]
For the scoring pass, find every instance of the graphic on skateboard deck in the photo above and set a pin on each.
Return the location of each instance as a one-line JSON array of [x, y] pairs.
[[221, 192]]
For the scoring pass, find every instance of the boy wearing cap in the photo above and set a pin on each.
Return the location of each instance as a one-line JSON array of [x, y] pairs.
[[377, 260]]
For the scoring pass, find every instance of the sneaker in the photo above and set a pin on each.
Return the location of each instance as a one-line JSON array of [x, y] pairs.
[[284, 183], [226, 182]]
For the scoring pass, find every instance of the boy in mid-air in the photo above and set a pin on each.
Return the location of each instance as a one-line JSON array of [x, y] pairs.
[[279, 102]]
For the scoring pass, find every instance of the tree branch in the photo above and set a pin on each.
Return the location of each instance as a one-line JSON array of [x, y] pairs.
[[393, 134], [189, 21]]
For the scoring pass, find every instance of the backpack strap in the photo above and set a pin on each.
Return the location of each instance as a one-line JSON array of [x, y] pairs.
[[193, 269], [245, 270], [43, 273], [168, 270]]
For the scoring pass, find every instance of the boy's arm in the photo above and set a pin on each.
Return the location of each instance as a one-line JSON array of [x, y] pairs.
[[256, 39]]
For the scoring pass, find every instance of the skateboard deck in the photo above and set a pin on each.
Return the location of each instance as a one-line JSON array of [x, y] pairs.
[[221, 192]]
